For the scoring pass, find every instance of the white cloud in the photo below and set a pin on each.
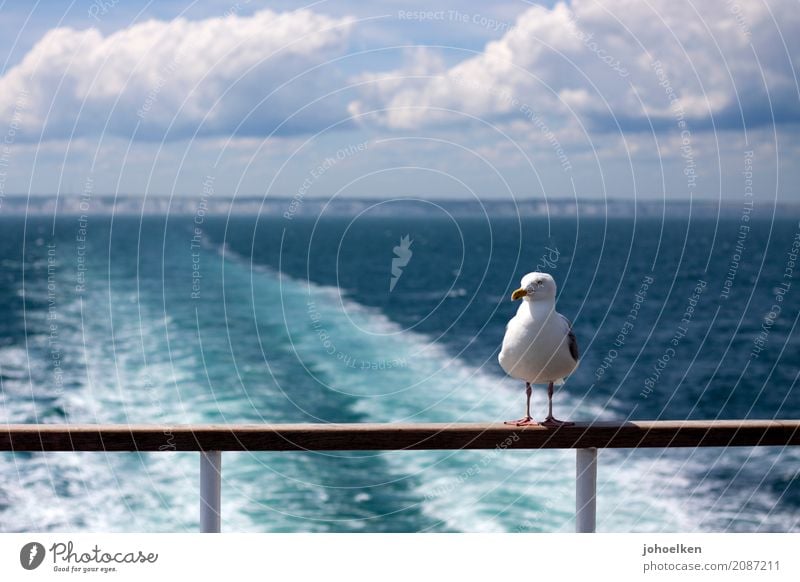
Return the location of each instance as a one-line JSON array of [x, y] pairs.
[[159, 73], [593, 62]]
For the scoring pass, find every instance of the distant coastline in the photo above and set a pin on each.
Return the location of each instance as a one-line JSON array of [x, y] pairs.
[[279, 207]]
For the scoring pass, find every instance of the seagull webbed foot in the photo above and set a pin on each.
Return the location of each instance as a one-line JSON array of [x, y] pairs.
[[524, 421], [551, 422]]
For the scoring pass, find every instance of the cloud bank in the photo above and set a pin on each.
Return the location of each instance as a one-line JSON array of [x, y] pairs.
[[168, 80], [611, 65], [591, 66]]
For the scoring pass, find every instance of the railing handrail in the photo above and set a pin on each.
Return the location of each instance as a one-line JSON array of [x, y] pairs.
[[423, 436], [211, 439]]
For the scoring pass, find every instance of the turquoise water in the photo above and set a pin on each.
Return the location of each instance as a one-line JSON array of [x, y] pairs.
[[277, 320]]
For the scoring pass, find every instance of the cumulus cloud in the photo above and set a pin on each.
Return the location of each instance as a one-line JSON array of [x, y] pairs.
[[168, 80], [609, 64]]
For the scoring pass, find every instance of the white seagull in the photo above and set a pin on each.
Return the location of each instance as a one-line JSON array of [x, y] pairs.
[[539, 346]]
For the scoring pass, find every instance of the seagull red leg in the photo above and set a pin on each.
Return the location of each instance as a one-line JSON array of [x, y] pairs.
[[551, 421], [527, 419]]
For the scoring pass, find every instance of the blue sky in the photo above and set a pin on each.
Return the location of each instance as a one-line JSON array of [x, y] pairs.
[[587, 99]]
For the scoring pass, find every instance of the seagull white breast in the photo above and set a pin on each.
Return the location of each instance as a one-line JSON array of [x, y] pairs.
[[538, 346]]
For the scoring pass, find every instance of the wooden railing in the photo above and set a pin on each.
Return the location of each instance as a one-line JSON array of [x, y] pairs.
[[211, 440]]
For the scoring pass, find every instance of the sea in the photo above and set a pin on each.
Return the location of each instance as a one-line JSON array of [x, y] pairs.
[[394, 318]]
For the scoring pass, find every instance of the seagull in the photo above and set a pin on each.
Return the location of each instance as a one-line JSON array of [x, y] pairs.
[[539, 346]]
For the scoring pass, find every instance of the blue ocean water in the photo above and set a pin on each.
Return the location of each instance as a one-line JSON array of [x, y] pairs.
[[180, 319]]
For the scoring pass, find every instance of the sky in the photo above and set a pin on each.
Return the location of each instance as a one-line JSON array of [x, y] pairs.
[[644, 99]]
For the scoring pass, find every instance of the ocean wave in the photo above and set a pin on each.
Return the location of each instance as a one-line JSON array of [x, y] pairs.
[[466, 490]]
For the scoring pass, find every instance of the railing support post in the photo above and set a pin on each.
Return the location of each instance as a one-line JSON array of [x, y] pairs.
[[210, 491], [586, 490]]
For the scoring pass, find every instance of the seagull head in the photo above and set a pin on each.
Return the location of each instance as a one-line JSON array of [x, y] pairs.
[[536, 287]]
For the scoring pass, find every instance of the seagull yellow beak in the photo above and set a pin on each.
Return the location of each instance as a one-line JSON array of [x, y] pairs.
[[518, 294]]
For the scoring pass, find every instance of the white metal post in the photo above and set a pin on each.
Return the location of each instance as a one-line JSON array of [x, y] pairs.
[[586, 490], [210, 491]]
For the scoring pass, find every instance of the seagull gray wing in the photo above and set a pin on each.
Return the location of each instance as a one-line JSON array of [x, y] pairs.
[[571, 339]]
